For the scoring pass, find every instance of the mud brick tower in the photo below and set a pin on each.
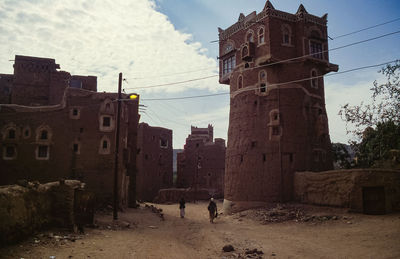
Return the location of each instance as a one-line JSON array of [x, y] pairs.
[[274, 63]]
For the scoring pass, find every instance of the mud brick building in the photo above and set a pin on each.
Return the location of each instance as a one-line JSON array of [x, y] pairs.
[[274, 63], [201, 165], [154, 161], [55, 125]]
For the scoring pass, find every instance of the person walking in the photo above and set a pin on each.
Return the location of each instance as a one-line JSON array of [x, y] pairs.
[[212, 209], [182, 207]]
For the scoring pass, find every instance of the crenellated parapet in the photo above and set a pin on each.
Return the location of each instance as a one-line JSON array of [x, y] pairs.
[[245, 22]]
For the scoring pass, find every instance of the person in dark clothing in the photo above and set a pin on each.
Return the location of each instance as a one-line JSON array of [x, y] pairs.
[[182, 207], [212, 209]]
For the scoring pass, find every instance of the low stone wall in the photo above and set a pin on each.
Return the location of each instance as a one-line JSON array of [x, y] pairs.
[[175, 194], [29, 208], [344, 188]]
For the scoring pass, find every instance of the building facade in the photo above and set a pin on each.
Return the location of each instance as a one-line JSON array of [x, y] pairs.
[[274, 63], [154, 161], [201, 165], [54, 125]]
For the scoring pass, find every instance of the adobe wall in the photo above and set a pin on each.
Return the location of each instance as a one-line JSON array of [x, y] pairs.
[[90, 163], [344, 188], [24, 210], [202, 165], [154, 161]]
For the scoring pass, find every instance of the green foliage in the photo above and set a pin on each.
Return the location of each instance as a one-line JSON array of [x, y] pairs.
[[341, 157], [376, 126], [380, 146]]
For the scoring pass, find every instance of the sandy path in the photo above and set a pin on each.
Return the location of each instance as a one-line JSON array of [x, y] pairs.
[[194, 237]]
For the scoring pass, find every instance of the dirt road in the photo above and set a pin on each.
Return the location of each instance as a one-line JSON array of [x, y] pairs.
[[344, 236]]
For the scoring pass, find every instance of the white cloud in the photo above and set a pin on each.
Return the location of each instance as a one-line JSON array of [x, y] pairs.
[[103, 38]]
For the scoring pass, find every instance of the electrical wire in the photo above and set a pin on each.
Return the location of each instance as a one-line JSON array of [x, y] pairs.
[[364, 29], [277, 84], [276, 62]]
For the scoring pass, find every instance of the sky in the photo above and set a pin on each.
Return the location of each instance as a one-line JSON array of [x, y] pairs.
[[159, 42]]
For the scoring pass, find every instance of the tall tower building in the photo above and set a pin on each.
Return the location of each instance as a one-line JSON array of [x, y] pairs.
[[274, 63]]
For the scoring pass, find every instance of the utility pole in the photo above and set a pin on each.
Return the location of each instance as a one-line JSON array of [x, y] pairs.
[[115, 211]]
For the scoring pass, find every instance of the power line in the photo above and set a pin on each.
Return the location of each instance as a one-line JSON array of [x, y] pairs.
[[332, 38], [171, 74], [277, 62], [184, 97], [277, 84], [364, 29], [173, 83]]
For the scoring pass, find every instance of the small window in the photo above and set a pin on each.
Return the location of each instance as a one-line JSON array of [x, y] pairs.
[[253, 144], [106, 121], [27, 133], [163, 143], [43, 152], [263, 87], [11, 134], [261, 36], [241, 158], [286, 36], [249, 37], [264, 157], [81, 130], [9, 153], [276, 116], [105, 144], [240, 82], [314, 79], [75, 112], [76, 148], [44, 135]]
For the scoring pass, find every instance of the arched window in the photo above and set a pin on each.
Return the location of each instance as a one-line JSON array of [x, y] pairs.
[[314, 78], [240, 82], [286, 35], [262, 79], [249, 36], [105, 146], [11, 134], [43, 135], [261, 38], [316, 44]]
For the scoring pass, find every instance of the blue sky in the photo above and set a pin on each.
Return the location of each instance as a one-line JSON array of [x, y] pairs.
[[153, 42]]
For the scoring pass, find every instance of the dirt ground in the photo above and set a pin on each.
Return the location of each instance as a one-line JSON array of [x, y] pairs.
[[296, 231]]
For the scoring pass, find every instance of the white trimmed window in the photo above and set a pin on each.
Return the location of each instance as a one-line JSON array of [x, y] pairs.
[[106, 123], [286, 35], [261, 37], [262, 79], [105, 146], [74, 113], [9, 152], [42, 152], [250, 36]]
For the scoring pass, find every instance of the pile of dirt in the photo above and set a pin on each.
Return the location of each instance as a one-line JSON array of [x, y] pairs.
[[287, 212]]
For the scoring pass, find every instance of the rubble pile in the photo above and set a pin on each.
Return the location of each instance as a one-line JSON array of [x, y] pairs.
[[288, 212]]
